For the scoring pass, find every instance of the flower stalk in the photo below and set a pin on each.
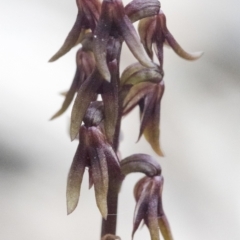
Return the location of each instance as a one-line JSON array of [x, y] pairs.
[[101, 96]]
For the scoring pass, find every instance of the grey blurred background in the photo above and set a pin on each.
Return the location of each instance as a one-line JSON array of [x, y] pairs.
[[200, 130]]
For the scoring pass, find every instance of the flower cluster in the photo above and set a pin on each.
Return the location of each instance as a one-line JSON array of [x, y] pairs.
[[102, 96]]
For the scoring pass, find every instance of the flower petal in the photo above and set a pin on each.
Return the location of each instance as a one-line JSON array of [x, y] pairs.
[[152, 216], [131, 69], [133, 42], [86, 62], [146, 29], [130, 36], [100, 39], [162, 219], [75, 176], [99, 169], [165, 228], [86, 94], [91, 11], [69, 96], [71, 38], [152, 219], [111, 103], [145, 74], [135, 94], [150, 118], [138, 9], [100, 179], [139, 213], [90, 180], [141, 208], [159, 41], [173, 43]]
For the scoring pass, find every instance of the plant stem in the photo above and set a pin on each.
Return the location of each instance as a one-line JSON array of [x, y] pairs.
[[115, 177], [115, 181], [109, 225]]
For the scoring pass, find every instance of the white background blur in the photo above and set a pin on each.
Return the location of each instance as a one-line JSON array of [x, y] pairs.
[[200, 124]]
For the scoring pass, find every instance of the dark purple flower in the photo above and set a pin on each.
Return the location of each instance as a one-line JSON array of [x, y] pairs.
[[146, 89], [95, 153], [153, 30], [149, 208], [87, 17], [85, 66], [114, 22], [86, 94]]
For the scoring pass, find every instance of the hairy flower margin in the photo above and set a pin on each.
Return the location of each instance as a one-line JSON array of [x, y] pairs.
[[100, 28]]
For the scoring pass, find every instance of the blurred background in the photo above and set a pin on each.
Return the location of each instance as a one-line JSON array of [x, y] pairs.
[[200, 131]]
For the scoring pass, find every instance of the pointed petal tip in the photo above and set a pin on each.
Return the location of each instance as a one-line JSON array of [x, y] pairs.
[[197, 55], [159, 152], [108, 78], [104, 71], [54, 116], [74, 130], [191, 56], [73, 134], [105, 74], [54, 57], [57, 114], [165, 228], [156, 148], [72, 137], [70, 207], [180, 51], [103, 210], [69, 212], [102, 206], [139, 137], [51, 60]]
